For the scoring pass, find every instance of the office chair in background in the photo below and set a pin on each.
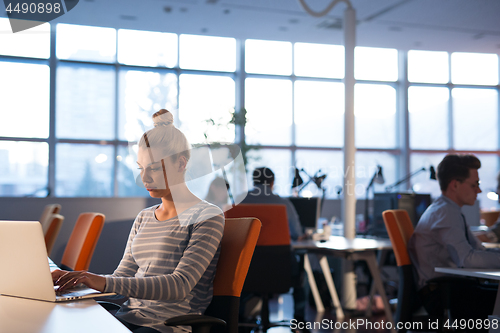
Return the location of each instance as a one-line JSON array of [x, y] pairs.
[[54, 223], [237, 248], [270, 271], [489, 217], [400, 229], [82, 242], [46, 214]]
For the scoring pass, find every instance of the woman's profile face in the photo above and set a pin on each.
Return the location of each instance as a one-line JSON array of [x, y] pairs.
[[158, 171]]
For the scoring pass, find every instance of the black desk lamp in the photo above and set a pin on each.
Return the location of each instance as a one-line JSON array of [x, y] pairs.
[[317, 179], [377, 178], [299, 182], [407, 177]]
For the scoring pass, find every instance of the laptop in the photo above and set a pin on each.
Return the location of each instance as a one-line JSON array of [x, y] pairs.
[[25, 266]]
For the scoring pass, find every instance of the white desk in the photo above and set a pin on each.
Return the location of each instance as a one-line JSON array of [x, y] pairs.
[[351, 249], [18, 315]]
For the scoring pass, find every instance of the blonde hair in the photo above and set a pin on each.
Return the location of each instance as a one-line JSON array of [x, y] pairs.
[[166, 137]]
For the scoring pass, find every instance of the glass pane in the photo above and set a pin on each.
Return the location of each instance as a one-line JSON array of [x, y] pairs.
[[375, 64], [84, 170], [319, 60], [24, 100], [85, 101], [375, 112], [204, 98], [268, 57], [366, 167], [488, 177], [279, 161], [79, 42], [319, 114], [428, 66], [318, 163], [127, 165], [218, 53], [269, 111], [23, 168], [428, 107], [33, 43], [142, 93], [475, 119], [147, 48], [474, 68], [421, 182]]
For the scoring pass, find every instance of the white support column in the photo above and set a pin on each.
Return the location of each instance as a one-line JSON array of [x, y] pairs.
[[349, 198]]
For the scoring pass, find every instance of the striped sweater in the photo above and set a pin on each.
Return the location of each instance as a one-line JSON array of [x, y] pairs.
[[168, 266]]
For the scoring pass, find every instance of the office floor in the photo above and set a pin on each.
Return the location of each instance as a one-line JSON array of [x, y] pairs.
[[281, 308]]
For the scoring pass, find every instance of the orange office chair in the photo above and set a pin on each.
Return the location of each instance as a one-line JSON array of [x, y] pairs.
[[270, 271], [489, 217], [46, 214], [82, 242], [237, 248], [54, 226], [400, 229]]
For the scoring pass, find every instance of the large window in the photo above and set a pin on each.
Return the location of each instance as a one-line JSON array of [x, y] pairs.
[[24, 101], [446, 113], [80, 140]]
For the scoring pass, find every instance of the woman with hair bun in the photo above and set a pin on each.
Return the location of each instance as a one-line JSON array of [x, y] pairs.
[[172, 250]]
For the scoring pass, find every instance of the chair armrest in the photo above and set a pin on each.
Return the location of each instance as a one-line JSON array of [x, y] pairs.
[[194, 320]]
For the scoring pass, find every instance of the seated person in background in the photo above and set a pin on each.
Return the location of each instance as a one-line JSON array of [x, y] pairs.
[[493, 232], [217, 192], [169, 262], [442, 239], [262, 193]]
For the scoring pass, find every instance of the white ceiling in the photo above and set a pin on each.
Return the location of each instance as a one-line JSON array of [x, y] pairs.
[[449, 25]]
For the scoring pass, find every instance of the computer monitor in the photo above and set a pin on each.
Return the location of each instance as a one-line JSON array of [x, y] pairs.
[[308, 210], [415, 204]]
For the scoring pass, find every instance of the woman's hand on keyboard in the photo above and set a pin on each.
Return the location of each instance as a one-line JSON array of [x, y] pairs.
[[66, 280]]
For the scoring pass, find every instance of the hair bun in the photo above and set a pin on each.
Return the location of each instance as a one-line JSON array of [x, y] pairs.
[[163, 118]]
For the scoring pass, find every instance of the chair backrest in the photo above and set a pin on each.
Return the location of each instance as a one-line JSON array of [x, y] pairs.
[[55, 223], [400, 228], [237, 247], [270, 270], [489, 217], [82, 242], [46, 215]]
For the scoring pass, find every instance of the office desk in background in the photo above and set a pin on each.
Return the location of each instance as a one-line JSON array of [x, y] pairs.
[[492, 274], [352, 249]]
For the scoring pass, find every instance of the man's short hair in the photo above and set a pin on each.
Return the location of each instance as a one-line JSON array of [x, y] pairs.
[[456, 167], [263, 176]]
